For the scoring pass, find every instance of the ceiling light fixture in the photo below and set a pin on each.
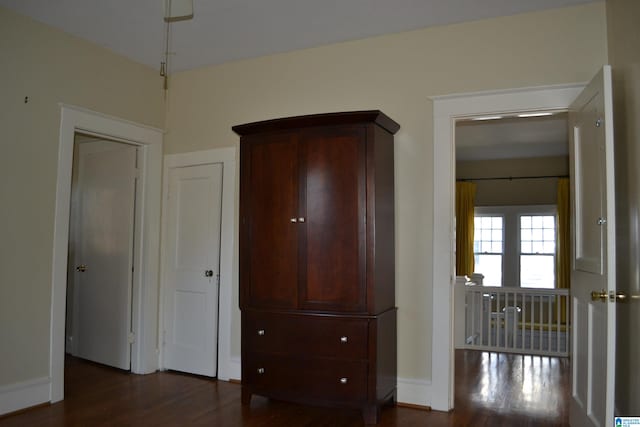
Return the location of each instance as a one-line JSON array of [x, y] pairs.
[[486, 118], [523, 115]]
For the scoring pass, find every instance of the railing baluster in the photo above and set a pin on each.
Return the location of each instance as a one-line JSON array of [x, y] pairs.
[[558, 300], [540, 323], [548, 323]]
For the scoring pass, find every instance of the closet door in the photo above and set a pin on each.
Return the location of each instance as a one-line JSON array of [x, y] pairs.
[[269, 212], [332, 201]]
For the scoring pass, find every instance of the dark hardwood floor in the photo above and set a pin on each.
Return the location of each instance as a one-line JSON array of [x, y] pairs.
[[491, 390]]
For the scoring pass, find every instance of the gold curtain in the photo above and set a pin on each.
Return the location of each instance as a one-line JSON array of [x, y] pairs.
[[563, 242], [465, 194]]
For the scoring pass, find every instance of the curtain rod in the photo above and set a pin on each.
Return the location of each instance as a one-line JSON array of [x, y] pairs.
[[512, 178]]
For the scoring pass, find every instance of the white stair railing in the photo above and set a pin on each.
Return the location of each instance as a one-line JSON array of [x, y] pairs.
[[517, 320]]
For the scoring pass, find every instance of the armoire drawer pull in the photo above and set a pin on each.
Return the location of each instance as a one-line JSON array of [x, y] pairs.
[[343, 340], [261, 371], [343, 380], [261, 332]]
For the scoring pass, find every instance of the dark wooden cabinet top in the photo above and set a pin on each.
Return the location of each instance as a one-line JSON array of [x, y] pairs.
[[328, 119]]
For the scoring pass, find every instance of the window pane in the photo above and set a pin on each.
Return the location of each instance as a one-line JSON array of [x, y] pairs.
[[537, 271], [549, 248], [526, 234], [549, 234], [488, 234], [537, 247], [536, 234], [525, 247], [491, 267], [549, 222], [525, 222], [536, 221]]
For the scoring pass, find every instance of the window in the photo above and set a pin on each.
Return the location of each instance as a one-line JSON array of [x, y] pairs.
[[537, 251], [488, 247], [515, 245]]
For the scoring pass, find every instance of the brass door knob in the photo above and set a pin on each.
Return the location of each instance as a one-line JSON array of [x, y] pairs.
[[599, 295], [81, 268]]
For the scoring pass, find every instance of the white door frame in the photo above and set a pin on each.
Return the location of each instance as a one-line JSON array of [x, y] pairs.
[[446, 110], [228, 367], [144, 356]]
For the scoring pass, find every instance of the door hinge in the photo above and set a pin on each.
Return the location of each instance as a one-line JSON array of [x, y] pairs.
[[131, 338]]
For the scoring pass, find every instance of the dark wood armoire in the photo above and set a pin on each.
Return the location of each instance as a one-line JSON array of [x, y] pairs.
[[317, 278]]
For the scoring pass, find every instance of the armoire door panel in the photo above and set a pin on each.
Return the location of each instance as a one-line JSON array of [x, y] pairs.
[[273, 248], [333, 200]]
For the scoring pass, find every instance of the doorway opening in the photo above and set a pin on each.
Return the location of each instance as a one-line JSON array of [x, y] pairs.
[[511, 293], [513, 233], [102, 247]]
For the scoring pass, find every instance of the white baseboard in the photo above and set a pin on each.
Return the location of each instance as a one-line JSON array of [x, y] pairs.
[[229, 369], [414, 392], [14, 397], [235, 372]]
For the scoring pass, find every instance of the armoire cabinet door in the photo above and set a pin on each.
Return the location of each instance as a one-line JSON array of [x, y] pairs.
[[332, 201], [270, 206]]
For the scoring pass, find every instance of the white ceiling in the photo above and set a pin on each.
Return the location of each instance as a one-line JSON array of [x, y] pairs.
[[228, 30], [512, 138]]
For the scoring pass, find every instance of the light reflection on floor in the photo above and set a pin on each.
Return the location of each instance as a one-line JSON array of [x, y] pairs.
[[525, 384]]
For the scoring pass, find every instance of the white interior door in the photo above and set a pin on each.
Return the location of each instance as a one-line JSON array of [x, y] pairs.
[[104, 252], [192, 260], [593, 363]]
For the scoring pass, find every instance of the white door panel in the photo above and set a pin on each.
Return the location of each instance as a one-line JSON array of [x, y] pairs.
[[593, 362], [104, 254], [192, 269]]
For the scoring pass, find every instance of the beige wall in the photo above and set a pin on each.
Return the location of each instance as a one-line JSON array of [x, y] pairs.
[[624, 55], [397, 74], [49, 67], [514, 192]]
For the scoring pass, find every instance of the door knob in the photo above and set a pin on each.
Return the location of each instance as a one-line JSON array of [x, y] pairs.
[[208, 273], [81, 268], [599, 295]]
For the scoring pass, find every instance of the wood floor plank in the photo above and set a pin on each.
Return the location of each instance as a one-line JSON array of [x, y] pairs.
[[491, 390]]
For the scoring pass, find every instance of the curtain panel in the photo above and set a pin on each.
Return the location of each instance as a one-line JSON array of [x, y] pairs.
[[465, 196]]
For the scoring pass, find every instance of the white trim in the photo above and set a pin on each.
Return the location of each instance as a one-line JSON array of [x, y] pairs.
[[14, 397], [414, 392], [446, 110], [235, 371], [226, 156], [144, 358]]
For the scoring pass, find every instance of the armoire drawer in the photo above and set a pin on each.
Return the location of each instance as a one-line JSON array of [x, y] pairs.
[[300, 335], [319, 379]]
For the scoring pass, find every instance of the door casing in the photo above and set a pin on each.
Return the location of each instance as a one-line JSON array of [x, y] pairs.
[[144, 356], [228, 366], [439, 394]]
